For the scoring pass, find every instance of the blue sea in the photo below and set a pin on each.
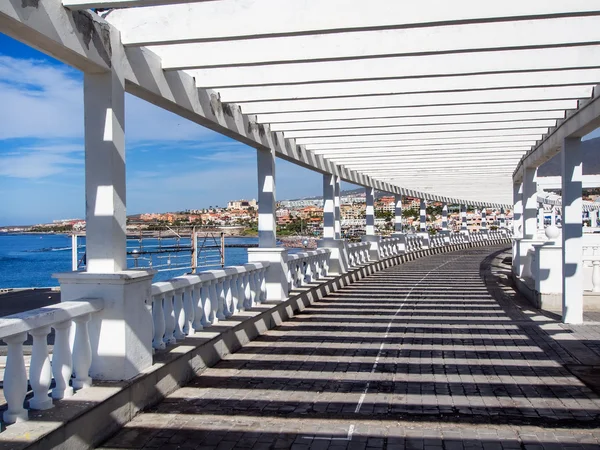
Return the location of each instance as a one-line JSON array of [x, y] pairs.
[[29, 260]]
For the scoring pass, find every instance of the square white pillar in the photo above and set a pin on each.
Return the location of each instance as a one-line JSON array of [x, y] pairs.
[[397, 214], [328, 206], [336, 208], [370, 211], [276, 274], [120, 334], [517, 227], [104, 121], [267, 221], [572, 233], [530, 210], [463, 219], [445, 223]]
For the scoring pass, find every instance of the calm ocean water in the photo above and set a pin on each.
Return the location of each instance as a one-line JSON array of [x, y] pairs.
[[29, 260]]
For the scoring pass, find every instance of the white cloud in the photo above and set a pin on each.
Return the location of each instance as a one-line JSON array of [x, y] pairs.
[[45, 101], [41, 161]]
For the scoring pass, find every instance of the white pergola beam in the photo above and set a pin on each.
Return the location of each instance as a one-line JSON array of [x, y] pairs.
[[411, 85], [424, 129], [228, 19], [418, 111], [92, 4], [550, 32], [444, 64], [535, 133], [579, 123], [464, 142], [404, 121], [491, 96], [431, 149], [425, 157]]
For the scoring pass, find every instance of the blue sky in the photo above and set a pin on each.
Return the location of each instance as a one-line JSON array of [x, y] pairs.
[[172, 164]]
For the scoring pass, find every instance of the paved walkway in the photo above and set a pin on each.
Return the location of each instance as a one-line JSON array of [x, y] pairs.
[[420, 356]]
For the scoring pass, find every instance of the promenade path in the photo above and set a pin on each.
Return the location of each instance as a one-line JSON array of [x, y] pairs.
[[438, 353]]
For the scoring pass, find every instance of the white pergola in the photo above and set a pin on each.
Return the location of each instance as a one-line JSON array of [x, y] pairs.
[[438, 100], [454, 102]]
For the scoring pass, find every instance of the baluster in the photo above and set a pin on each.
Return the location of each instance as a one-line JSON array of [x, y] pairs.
[[257, 285], [197, 304], [158, 320], [40, 370], [207, 312], [169, 338], [309, 272], [316, 261], [299, 272], [82, 353], [227, 306], [325, 264], [62, 361], [247, 292], [263, 284], [241, 289], [15, 379], [221, 295], [179, 314], [189, 311], [214, 301], [290, 275], [234, 293], [596, 276]]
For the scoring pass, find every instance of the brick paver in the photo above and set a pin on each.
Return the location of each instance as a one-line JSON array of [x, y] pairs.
[[433, 354]]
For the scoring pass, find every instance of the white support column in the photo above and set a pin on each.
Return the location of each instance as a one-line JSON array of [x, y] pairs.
[[328, 206], [572, 233], [502, 218], [517, 266], [370, 211], [423, 216], [267, 220], [423, 223], [120, 334], [530, 203], [445, 223], [104, 113], [338, 260], [276, 274], [463, 219], [398, 214], [370, 235], [484, 228], [337, 203]]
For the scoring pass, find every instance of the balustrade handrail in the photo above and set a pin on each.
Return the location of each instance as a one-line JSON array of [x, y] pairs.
[[45, 316], [193, 280]]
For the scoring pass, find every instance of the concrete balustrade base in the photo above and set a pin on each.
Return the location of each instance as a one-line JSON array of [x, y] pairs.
[[92, 415]]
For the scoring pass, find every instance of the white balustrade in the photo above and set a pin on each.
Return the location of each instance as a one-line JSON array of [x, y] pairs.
[[306, 267], [358, 253], [591, 255], [64, 363], [189, 303]]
